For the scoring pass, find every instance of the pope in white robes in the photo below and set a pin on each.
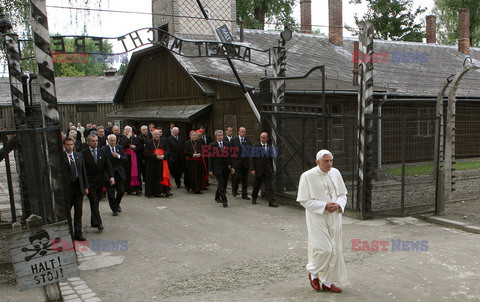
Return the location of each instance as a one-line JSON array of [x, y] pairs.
[[323, 194]]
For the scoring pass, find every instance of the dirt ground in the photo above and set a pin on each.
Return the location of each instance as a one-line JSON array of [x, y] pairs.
[[464, 211], [189, 248]]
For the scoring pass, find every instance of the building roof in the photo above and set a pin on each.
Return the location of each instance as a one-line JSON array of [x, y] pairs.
[[74, 90], [163, 113], [407, 68]]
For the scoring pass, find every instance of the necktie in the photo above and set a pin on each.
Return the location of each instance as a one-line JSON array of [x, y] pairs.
[[94, 153], [241, 140], [221, 145], [73, 167], [113, 149]]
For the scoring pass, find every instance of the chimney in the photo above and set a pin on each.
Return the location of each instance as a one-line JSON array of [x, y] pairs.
[[306, 16], [464, 31], [335, 22], [432, 29], [110, 72]]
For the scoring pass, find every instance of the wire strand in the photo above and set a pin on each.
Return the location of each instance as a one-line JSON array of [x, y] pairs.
[[180, 16]]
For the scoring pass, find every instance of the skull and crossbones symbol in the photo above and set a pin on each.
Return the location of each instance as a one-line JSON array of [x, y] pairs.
[[41, 244]]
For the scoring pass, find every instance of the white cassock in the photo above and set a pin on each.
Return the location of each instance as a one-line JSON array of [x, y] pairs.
[[325, 257]]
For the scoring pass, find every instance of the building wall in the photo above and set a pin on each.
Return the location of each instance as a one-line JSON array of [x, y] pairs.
[[158, 77], [84, 114]]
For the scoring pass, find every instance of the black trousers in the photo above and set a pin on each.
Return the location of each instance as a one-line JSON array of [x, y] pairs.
[[75, 202], [267, 182], [176, 170], [94, 196], [114, 201], [222, 179], [241, 174]]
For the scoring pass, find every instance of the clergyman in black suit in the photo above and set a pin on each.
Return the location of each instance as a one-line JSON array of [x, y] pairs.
[[118, 158], [176, 158], [261, 163], [99, 171], [220, 164], [241, 162], [77, 187]]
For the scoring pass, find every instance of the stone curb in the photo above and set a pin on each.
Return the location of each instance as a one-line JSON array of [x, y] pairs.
[[451, 223]]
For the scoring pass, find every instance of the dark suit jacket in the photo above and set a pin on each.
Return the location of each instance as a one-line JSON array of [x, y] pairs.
[[208, 138], [260, 161], [97, 173], [219, 161], [82, 173], [117, 163], [241, 161], [175, 149], [102, 141]]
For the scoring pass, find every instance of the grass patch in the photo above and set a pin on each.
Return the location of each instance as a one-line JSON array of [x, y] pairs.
[[428, 168]]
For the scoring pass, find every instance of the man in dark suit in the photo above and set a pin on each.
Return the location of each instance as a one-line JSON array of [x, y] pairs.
[[241, 162], [169, 132], [176, 158], [261, 163], [102, 138], [220, 164], [99, 171], [77, 187], [108, 130], [118, 158], [206, 139]]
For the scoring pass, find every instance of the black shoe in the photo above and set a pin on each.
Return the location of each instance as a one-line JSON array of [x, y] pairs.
[[80, 238], [115, 213], [272, 204], [100, 227], [168, 194], [234, 193], [217, 199], [179, 186], [225, 204], [199, 192], [139, 193], [254, 201], [119, 209], [245, 197]]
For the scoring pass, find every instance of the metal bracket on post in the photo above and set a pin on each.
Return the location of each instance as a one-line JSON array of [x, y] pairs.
[[365, 125], [15, 75]]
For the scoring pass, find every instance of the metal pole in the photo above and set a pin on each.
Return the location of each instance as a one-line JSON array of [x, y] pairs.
[[245, 91], [379, 134], [404, 148]]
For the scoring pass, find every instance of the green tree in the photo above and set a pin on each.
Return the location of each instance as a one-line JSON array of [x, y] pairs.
[[255, 13], [18, 12], [123, 67], [447, 20], [80, 63], [394, 19]]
